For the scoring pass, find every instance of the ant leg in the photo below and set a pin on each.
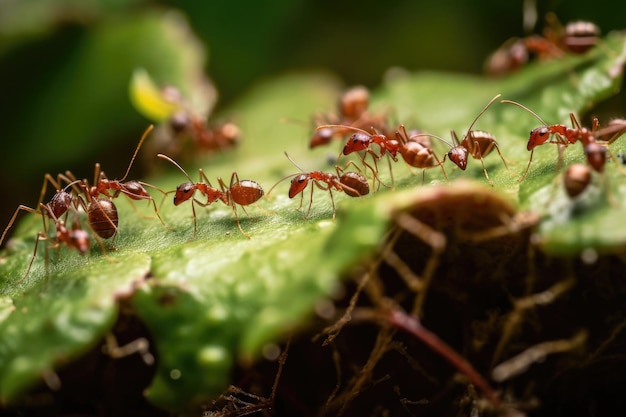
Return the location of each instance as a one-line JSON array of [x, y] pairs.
[[559, 161], [494, 144], [193, 212], [440, 163], [156, 211], [21, 207], [530, 159], [310, 201], [40, 236], [234, 207], [482, 161], [375, 171], [391, 172]]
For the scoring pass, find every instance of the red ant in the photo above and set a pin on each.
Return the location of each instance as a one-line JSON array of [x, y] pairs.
[[352, 183], [352, 108], [186, 121], [577, 37], [74, 238], [102, 212], [417, 152], [362, 141], [475, 143], [58, 205], [559, 134], [240, 192], [206, 138]]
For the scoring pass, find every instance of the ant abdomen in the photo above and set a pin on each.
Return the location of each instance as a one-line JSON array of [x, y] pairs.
[[103, 217], [581, 36], [245, 192], [576, 179], [354, 184]]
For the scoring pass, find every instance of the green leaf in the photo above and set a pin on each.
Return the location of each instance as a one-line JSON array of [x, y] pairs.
[[57, 319]]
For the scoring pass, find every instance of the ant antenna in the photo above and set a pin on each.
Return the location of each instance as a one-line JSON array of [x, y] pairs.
[[356, 129], [525, 108], [287, 176], [176, 164], [430, 135], [293, 162], [143, 138], [469, 129]]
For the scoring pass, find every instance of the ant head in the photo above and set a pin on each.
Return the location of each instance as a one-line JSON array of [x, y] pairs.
[[60, 203], [357, 142], [79, 240], [184, 192], [321, 137], [298, 184], [538, 136], [458, 155]]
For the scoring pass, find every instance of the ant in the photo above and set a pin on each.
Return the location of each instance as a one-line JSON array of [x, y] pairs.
[[577, 38], [361, 141], [417, 152], [475, 143], [102, 212], [58, 205], [352, 183], [559, 134], [185, 119], [352, 111], [217, 137], [240, 192], [74, 238]]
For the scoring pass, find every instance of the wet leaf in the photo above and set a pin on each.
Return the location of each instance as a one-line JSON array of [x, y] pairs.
[[57, 319]]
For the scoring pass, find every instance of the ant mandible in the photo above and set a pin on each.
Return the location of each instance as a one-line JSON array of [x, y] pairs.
[[240, 192], [352, 183]]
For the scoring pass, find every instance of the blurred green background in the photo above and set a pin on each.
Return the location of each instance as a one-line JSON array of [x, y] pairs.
[[65, 64]]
